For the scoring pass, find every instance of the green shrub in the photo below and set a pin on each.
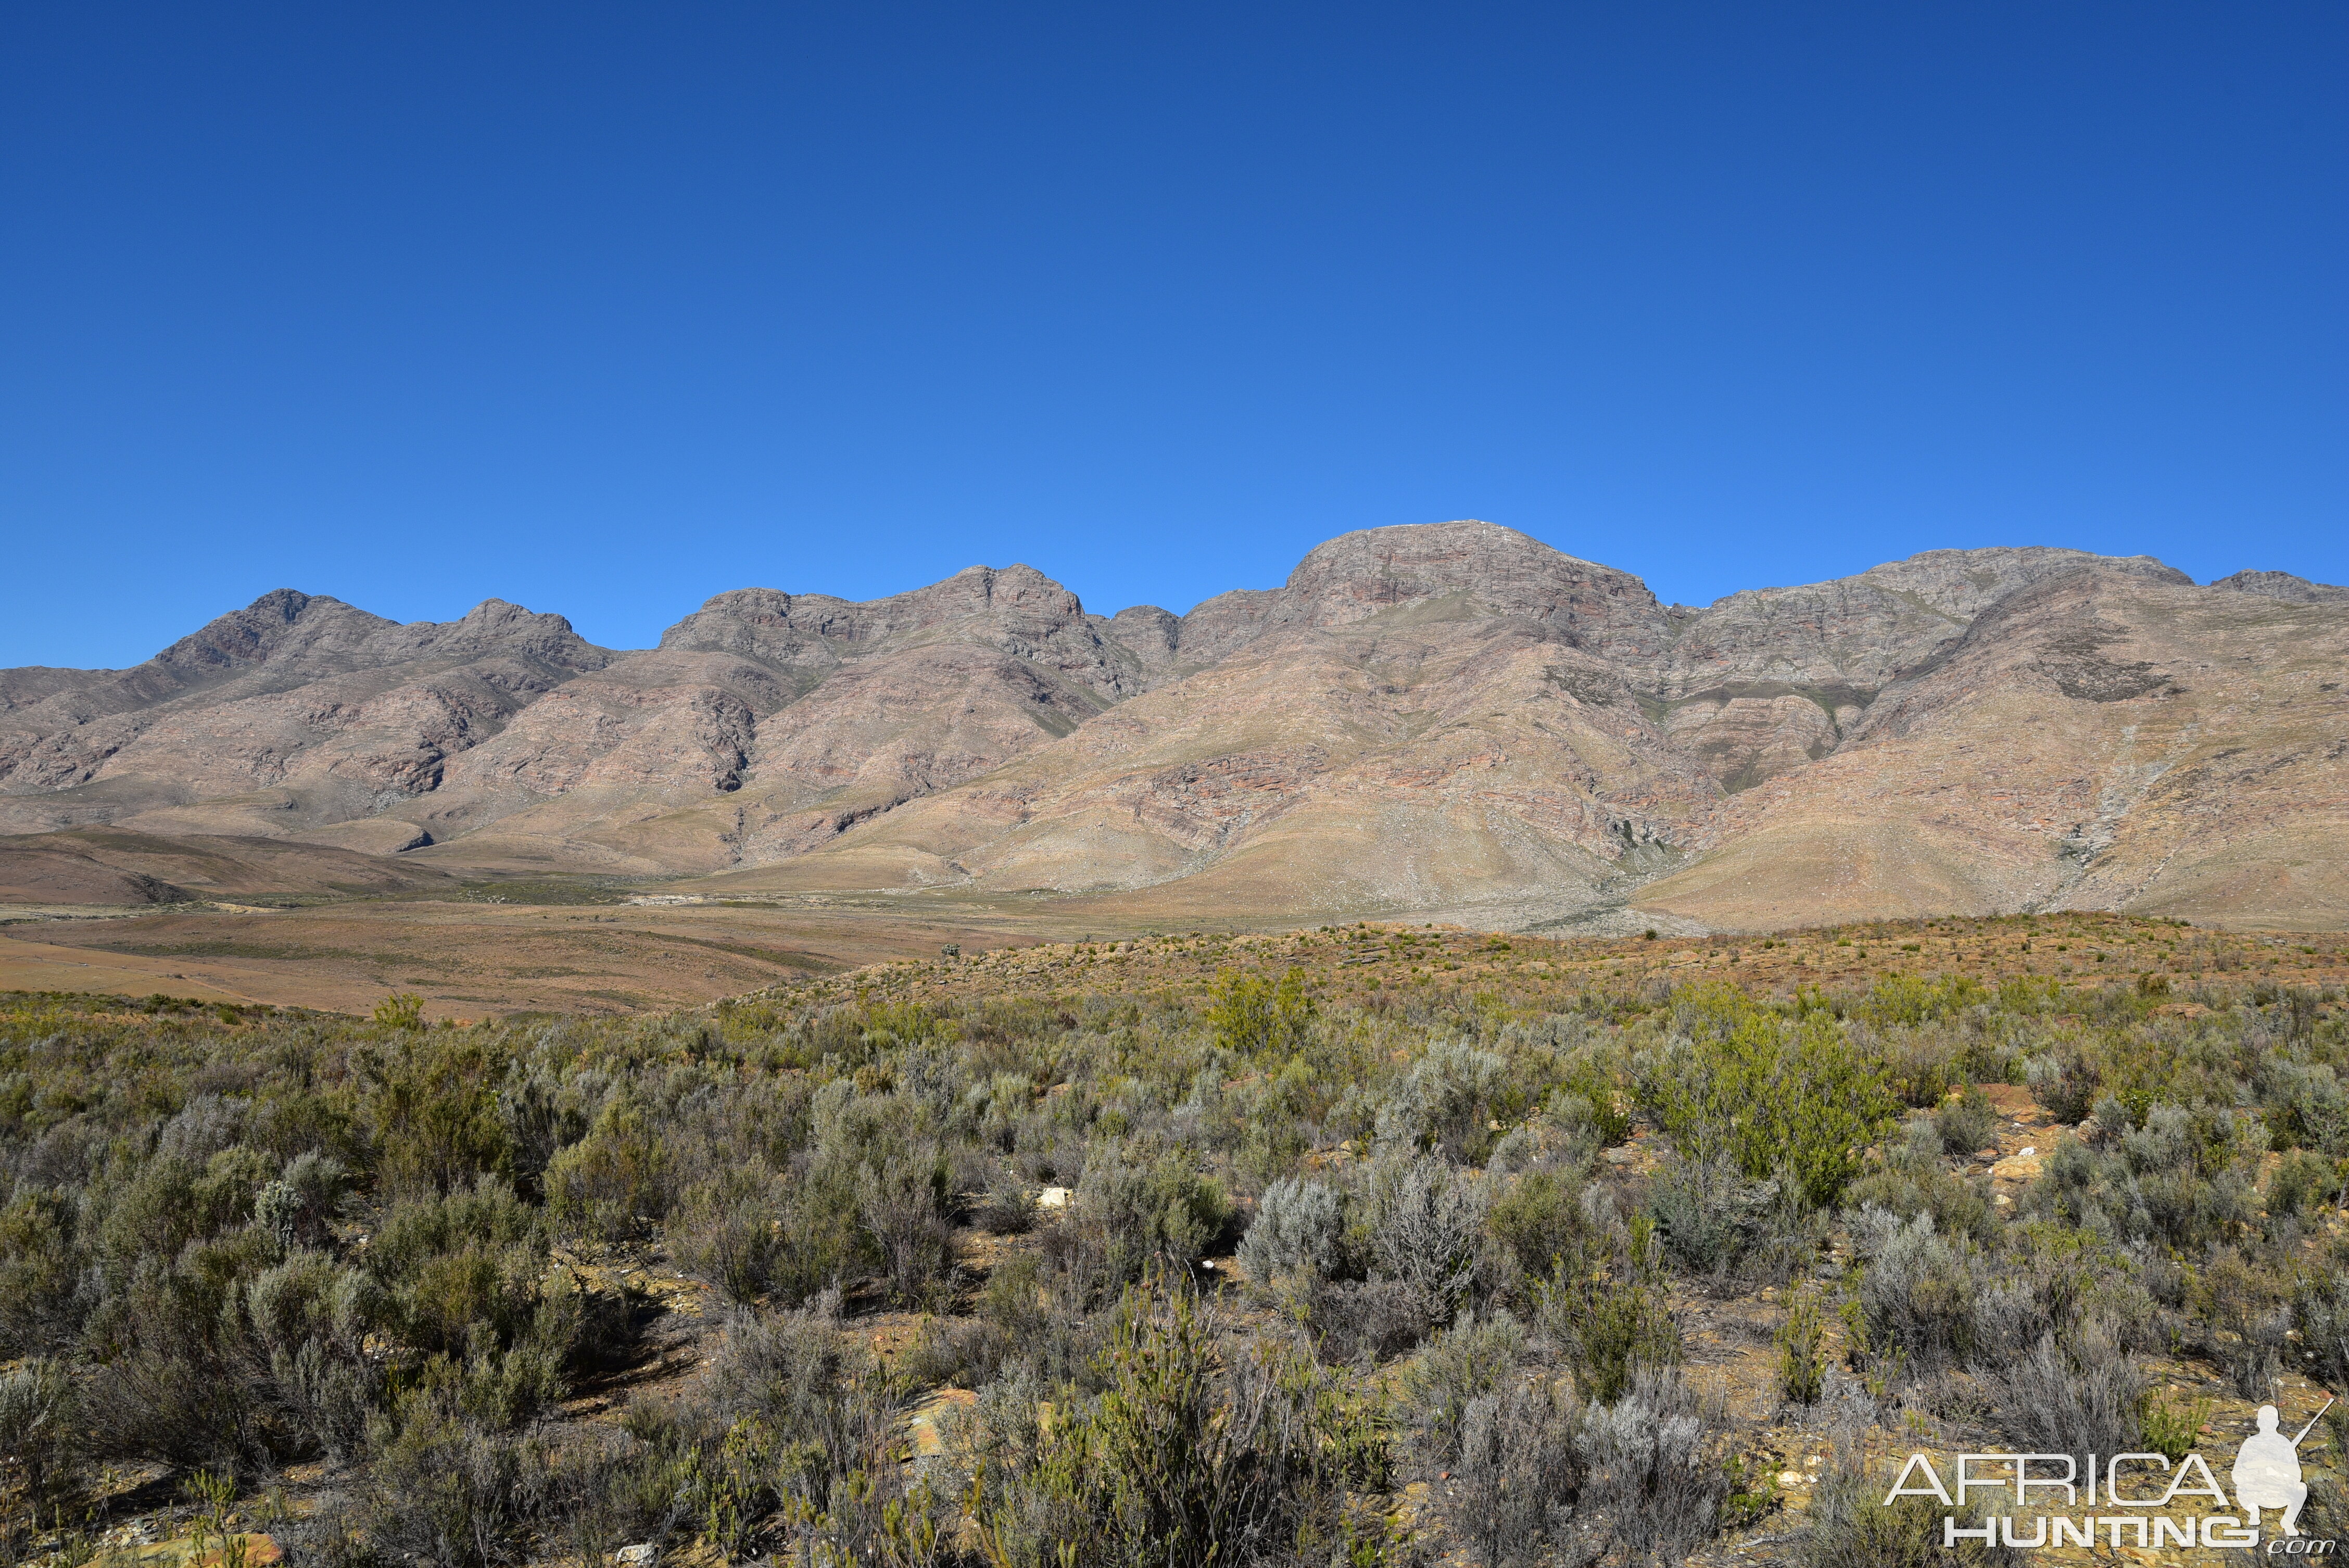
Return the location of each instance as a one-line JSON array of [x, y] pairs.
[[2309, 1104], [1921, 1067], [1134, 1212], [2172, 1428], [1537, 1219], [2180, 1177], [445, 1490], [1188, 1457], [402, 1010], [1610, 1318], [1910, 999], [1967, 1122], [2302, 1184], [1251, 1014], [1801, 1345], [36, 1271], [613, 1182], [1769, 1094], [241, 1243], [433, 1104]]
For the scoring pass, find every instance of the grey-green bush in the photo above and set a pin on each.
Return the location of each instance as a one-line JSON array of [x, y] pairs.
[[1654, 1468], [1456, 1367], [1426, 1224], [1918, 1293], [1300, 1229], [1966, 1122], [1517, 1476]]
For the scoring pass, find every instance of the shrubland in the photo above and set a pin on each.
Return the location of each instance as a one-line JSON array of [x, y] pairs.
[[1524, 1274]]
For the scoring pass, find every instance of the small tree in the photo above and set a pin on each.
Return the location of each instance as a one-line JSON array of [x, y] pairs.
[[1770, 1093], [400, 1010], [1251, 1014]]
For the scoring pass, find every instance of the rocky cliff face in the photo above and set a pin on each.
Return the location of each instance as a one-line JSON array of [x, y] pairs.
[[1474, 568], [1449, 717], [1765, 681], [300, 709], [2104, 739], [2283, 585], [1017, 610]]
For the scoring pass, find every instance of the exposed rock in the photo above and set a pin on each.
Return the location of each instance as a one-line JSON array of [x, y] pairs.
[[2023, 1165], [1837, 645], [2283, 585], [1018, 609], [1452, 717], [2101, 740], [1153, 636], [1446, 571], [1744, 739], [292, 693]]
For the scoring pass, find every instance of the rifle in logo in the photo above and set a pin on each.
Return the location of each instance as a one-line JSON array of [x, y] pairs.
[[2266, 1476], [2267, 1471]]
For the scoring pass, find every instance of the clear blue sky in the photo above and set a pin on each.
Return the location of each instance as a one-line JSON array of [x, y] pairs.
[[604, 309]]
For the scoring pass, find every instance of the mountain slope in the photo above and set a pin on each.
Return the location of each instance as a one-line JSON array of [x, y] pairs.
[[1391, 763], [1450, 717], [294, 713], [2101, 740]]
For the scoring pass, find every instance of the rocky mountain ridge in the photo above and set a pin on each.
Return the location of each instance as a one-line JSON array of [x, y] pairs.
[[1449, 717]]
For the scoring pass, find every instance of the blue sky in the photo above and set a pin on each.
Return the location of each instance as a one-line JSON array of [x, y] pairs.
[[604, 309]]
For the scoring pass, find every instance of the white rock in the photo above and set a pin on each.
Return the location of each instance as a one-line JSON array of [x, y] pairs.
[[1052, 1198], [636, 1556]]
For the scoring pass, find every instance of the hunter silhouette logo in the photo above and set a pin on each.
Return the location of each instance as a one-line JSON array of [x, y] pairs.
[[2267, 1471], [2266, 1475]]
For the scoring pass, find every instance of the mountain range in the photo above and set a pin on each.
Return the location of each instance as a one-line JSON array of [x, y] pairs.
[[1449, 720]]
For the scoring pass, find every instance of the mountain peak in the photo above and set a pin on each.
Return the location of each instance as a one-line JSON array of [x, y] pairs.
[[1357, 575], [282, 623], [2283, 587], [1420, 713]]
